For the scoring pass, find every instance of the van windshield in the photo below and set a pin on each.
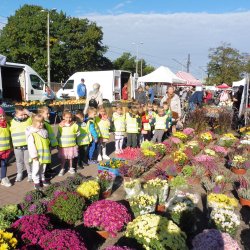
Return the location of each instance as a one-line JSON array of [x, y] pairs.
[[36, 82], [69, 84]]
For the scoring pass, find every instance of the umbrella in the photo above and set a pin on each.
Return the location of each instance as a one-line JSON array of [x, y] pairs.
[[223, 86]]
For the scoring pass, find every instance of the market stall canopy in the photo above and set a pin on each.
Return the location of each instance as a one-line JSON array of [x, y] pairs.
[[162, 75], [239, 83], [223, 86], [190, 79]]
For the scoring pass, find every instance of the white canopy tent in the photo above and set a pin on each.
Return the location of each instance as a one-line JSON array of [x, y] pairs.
[[161, 75]]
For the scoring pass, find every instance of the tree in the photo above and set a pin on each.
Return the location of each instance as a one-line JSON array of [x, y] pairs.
[[128, 62], [75, 44], [225, 66]]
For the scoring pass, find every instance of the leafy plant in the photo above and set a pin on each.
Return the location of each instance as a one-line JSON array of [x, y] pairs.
[[188, 171], [178, 182], [8, 214], [68, 207]]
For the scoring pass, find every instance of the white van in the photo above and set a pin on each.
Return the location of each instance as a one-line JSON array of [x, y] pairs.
[[111, 82], [20, 82]]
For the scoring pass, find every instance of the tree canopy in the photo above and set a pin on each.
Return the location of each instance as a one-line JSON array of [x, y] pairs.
[[225, 66], [75, 44]]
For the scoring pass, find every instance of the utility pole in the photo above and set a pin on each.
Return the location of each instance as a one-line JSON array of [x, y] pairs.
[[188, 63]]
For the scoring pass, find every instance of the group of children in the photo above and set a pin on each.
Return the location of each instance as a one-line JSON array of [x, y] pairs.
[[78, 137]]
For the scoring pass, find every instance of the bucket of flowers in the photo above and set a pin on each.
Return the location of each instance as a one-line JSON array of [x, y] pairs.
[[244, 192], [182, 208], [238, 164], [132, 188], [112, 166], [142, 204], [108, 216], [156, 232], [225, 220], [106, 181], [214, 239], [90, 190], [227, 140], [159, 189]]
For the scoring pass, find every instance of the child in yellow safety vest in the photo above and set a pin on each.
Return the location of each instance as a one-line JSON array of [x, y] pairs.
[[160, 125], [133, 127], [5, 148], [119, 121], [68, 131], [104, 126], [18, 126], [83, 140], [39, 150], [44, 112]]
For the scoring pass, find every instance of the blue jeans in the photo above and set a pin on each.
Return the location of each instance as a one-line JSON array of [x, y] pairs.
[[92, 148], [3, 168], [192, 106]]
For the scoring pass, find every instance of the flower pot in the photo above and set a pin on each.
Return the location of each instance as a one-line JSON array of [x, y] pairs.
[[106, 194], [170, 177], [103, 234], [238, 170], [160, 208], [244, 202]]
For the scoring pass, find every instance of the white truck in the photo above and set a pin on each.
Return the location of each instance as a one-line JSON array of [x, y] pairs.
[[111, 82], [19, 82]]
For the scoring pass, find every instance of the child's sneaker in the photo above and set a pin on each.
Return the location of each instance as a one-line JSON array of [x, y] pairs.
[[105, 157], [72, 171], [91, 162], [99, 158], [5, 182], [18, 178], [61, 173], [29, 179], [37, 186], [117, 152], [45, 183]]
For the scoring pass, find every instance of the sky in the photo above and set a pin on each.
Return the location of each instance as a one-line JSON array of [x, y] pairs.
[[163, 32]]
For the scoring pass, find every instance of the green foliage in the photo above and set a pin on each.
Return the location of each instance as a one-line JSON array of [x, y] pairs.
[[8, 214], [75, 44], [225, 66], [67, 207], [178, 182], [188, 171]]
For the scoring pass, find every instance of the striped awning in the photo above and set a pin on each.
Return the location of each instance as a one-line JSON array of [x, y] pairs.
[[190, 79]]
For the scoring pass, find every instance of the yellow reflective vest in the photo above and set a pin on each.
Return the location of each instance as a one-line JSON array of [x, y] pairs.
[[104, 127], [85, 137], [161, 122], [119, 122], [67, 136], [43, 148], [132, 125], [96, 121], [5, 138], [17, 130], [52, 137]]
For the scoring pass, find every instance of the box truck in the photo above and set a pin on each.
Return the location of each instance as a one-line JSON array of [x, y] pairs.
[[111, 82], [19, 82]]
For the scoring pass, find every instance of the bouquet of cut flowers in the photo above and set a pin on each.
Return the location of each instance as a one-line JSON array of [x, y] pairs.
[[107, 215], [214, 239], [156, 232], [157, 188], [90, 190], [206, 137], [225, 220], [182, 204], [142, 204], [221, 201], [105, 180], [132, 188], [7, 241]]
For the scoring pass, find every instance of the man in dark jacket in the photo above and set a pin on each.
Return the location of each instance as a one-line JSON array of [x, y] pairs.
[[196, 99]]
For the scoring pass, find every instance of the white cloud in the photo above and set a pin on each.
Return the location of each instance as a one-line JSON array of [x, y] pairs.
[[167, 36]]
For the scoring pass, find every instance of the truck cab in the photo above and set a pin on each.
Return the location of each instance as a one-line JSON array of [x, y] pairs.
[[19, 82]]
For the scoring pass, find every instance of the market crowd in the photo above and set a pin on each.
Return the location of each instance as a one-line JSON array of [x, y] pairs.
[[83, 136]]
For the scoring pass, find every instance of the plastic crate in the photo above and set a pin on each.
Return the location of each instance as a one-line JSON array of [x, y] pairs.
[[114, 171]]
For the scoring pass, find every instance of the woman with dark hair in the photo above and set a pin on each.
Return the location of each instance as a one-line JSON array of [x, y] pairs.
[[237, 97]]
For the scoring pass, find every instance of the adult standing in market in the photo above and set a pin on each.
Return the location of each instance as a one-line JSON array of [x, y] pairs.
[[81, 90], [125, 92], [94, 98], [141, 96], [175, 105], [150, 93]]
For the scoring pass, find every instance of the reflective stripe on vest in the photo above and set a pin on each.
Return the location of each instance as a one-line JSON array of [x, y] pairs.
[[4, 138], [104, 127], [85, 137], [119, 123], [17, 130], [67, 136], [160, 122], [43, 150], [52, 137], [131, 124]]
